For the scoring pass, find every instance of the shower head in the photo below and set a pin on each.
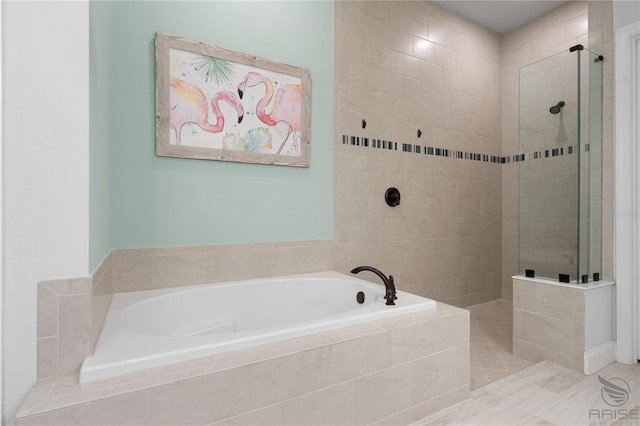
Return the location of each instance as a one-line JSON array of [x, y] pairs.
[[556, 108]]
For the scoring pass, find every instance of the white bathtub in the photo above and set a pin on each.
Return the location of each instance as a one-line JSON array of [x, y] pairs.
[[151, 328]]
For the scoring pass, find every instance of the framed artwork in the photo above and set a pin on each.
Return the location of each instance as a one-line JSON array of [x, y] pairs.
[[217, 104]]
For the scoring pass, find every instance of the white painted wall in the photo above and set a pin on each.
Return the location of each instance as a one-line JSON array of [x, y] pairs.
[[1, 216], [46, 132], [599, 323], [626, 25], [625, 12]]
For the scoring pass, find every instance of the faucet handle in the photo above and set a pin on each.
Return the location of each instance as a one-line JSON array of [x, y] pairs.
[[393, 287]]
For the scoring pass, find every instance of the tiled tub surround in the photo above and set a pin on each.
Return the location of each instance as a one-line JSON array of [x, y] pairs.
[[151, 268], [70, 317], [152, 328], [392, 371], [72, 312], [569, 324]]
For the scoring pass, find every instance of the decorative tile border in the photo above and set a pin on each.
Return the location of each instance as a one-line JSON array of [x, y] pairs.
[[461, 155]]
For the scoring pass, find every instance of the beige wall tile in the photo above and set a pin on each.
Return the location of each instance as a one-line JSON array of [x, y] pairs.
[[130, 409], [517, 323], [433, 375], [180, 269], [119, 386], [47, 312], [47, 357], [575, 27], [447, 399], [417, 340], [548, 332], [132, 273], [578, 362], [405, 417], [267, 416], [578, 301], [555, 301], [381, 394], [524, 295], [424, 49], [74, 334], [531, 352], [127, 252], [100, 307], [70, 286], [463, 361], [455, 330], [357, 357], [282, 378], [101, 297], [307, 259], [328, 406], [579, 324], [283, 389], [400, 43], [38, 394], [201, 400]]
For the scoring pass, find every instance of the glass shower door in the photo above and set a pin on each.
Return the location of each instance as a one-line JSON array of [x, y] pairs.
[[549, 171], [560, 166]]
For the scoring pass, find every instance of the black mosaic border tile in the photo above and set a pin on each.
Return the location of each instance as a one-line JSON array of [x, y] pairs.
[[461, 155]]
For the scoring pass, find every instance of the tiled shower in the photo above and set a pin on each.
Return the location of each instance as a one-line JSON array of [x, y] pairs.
[[429, 83], [429, 103]]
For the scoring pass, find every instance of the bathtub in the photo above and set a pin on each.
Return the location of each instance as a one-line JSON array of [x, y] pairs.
[[152, 328]]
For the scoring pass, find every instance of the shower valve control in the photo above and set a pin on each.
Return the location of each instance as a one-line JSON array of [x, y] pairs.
[[392, 197]]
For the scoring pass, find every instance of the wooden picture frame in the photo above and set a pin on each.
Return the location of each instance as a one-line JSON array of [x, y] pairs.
[[217, 104]]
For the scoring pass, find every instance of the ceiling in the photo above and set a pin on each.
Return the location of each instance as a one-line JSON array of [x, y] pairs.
[[500, 16]]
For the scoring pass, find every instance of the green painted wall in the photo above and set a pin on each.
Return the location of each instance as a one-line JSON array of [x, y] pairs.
[[159, 201], [99, 130]]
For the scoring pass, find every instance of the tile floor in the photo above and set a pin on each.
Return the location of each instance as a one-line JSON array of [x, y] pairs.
[[546, 394], [491, 339], [506, 390]]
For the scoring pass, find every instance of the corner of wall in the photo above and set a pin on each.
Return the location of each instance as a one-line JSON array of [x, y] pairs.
[[71, 313]]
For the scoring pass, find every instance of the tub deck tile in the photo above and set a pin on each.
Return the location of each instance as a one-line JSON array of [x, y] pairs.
[[201, 400], [131, 387], [38, 395], [266, 416], [285, 377], [404, 417], [128, 409], [328, 406], [360, 356], [263, 378], [381, 394]]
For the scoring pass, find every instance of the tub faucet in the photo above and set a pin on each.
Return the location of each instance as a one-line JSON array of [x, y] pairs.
[[388, 282]]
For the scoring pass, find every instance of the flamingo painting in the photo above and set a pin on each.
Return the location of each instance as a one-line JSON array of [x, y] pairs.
[[188, 105], [285, 107], [201, 91]]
